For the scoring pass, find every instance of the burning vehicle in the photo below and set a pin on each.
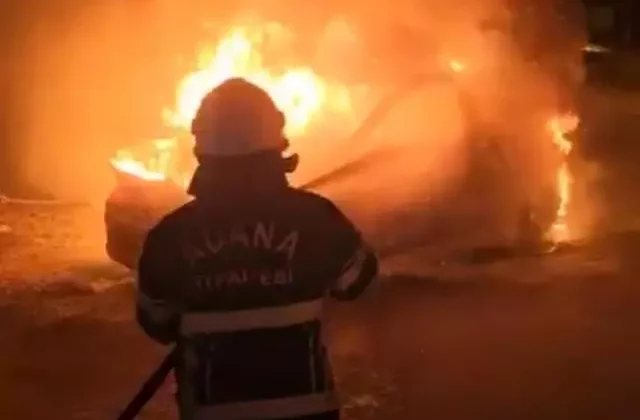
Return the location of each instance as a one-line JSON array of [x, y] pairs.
[[463, 139]]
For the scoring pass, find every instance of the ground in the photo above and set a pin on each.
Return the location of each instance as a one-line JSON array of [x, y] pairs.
[[552, 338]]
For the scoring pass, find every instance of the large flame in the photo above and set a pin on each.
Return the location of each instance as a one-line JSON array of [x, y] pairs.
[[298, 91]]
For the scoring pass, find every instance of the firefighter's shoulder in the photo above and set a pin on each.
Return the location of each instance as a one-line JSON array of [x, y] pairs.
[[171, 224]]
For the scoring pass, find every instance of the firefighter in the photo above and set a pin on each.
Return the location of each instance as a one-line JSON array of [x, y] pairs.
[[237, 277]]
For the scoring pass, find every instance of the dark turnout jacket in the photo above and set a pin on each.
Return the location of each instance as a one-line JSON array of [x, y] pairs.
[[239, 286]]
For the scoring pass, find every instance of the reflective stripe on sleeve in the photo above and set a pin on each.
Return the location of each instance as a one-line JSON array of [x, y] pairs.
[[158, 311], [353, 269], [291, 407], [274, 317]]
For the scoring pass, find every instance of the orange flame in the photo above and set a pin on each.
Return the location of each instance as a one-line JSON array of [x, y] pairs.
[[155, 168], [561, 126], [298, 91]]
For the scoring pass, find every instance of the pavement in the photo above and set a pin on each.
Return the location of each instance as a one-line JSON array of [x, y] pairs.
[[529, 338]]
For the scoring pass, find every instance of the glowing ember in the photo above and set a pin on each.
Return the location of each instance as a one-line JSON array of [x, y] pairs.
[[298, 91], [560, 127]]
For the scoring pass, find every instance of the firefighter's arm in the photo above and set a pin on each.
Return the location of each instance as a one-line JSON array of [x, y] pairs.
[[157, 306], [357, 263], [356, 274]]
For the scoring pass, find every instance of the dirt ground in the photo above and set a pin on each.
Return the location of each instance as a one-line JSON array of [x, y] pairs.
[[525, 339]]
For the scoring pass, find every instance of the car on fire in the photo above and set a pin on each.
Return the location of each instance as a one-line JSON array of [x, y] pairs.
[[510, 131]]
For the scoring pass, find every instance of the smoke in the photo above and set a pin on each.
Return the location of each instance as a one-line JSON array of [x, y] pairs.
[[99, 73], [516, 67], [94, 78]]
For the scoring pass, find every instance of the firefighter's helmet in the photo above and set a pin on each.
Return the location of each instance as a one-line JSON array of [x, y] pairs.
[[238, 118]]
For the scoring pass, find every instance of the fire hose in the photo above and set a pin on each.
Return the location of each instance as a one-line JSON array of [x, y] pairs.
[[150, 387], [368, 126], [365, 130]]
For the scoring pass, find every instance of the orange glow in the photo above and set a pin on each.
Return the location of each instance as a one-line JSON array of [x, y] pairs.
[[559, 128], [297, 90], [304, 96], [155, 168], [457, 66]]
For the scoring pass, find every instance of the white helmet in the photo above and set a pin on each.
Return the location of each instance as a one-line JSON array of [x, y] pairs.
[[237, 118]]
